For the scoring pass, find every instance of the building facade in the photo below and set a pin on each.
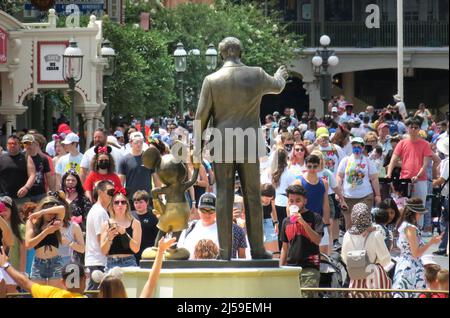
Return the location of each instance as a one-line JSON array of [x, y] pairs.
[[32, 63], [367, 72]]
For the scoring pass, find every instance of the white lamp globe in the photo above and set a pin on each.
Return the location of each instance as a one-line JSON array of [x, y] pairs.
[[325, 40], [333, 60], [317, 61]]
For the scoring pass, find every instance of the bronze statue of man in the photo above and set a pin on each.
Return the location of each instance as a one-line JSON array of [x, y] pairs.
[[231, 99]]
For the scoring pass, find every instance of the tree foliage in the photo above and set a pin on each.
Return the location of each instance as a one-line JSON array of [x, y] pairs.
[[145, 76], [11, 6], [266, 42], [143, 82]]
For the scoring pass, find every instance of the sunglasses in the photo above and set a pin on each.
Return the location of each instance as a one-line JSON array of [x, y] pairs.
[[120, 202], [310, 167], [110, 192], [299, 150]]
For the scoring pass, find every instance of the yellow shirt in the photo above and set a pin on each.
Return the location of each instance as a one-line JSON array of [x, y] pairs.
[[44, 291]]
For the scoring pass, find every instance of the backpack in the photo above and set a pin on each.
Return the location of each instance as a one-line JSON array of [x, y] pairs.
[[358, 261]]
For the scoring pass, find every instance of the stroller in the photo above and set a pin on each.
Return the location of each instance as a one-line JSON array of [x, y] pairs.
[[333, 274]]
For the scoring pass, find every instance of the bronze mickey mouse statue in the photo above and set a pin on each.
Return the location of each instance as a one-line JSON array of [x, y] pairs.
[[173, 216]]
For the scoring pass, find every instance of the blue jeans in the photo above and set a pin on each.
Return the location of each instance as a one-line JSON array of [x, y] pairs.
[[43, 269], [113, 261], [444, 226]]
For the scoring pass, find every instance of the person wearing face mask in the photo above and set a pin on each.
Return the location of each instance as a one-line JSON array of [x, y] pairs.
[[79, 204], [358, 177], [301, 233], [102, 168], [100, 140]]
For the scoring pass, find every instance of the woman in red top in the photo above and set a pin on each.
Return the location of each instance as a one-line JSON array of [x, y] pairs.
[[102, 168]]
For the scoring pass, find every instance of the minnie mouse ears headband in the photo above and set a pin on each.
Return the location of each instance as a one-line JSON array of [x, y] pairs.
[[102, 149]]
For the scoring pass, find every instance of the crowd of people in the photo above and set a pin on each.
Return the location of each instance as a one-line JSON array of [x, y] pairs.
[[375, 182]]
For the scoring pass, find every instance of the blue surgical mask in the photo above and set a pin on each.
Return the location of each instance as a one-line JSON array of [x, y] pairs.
[[357, 150]]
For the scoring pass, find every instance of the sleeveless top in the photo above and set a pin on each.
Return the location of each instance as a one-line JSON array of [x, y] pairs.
[[48, 241], [121, 243], [267, 209], [314, 194], [65, 250]]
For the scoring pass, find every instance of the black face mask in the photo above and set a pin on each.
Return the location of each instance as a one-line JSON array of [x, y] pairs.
[[104, 164]]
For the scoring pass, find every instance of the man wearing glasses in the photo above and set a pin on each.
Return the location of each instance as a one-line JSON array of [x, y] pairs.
[[415, 154], [17, 171], [94, 259]]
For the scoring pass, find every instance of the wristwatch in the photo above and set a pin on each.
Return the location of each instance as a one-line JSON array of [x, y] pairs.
[[275, 222], [6, 265]]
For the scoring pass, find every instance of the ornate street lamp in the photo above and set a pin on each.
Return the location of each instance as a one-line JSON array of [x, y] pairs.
[[180, 66], [321, 61], [108, 53], [72, 74], [211, 57]]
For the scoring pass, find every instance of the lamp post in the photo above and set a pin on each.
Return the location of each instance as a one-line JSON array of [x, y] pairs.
[[72, 74], [321, 61], [108, 53], [180, 57]]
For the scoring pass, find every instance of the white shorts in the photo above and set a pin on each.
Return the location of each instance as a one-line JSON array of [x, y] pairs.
[[5, 276], [325, 238]]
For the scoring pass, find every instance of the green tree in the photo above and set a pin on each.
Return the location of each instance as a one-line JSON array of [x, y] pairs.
[[11, 6], [143, 82], [266, 41]]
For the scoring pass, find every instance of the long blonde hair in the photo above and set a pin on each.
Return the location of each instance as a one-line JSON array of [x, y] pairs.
[[111, 207]]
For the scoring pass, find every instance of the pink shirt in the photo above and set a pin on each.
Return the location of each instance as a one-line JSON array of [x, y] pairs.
[[412, 154]]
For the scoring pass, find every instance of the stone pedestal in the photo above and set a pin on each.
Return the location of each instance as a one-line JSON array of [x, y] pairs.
[[282, 282]]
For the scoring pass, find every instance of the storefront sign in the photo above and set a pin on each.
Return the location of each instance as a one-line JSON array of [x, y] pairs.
[[50, 62], [3, 46]]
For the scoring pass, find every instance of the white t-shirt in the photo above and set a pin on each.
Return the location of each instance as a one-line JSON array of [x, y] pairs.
[[50, 148], [287, 178], [68, 162], [356, 176], [199, 232], [328, 176], [444, 175], [90, 154], [332, 156], [96, 217]]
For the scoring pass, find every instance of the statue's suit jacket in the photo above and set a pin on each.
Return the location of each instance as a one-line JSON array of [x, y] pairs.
[[231, 97]]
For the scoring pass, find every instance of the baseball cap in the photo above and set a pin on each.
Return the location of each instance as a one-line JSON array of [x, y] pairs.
[[322, 132], [207, 201], [136, 135], [334, 110], [28, 138], [118, 134], [71, 138], [358, 140], [64, 128], [382, 125]]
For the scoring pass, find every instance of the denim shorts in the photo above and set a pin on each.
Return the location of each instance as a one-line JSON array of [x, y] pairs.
[[269, 231], [43, 269], [112, 262]]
